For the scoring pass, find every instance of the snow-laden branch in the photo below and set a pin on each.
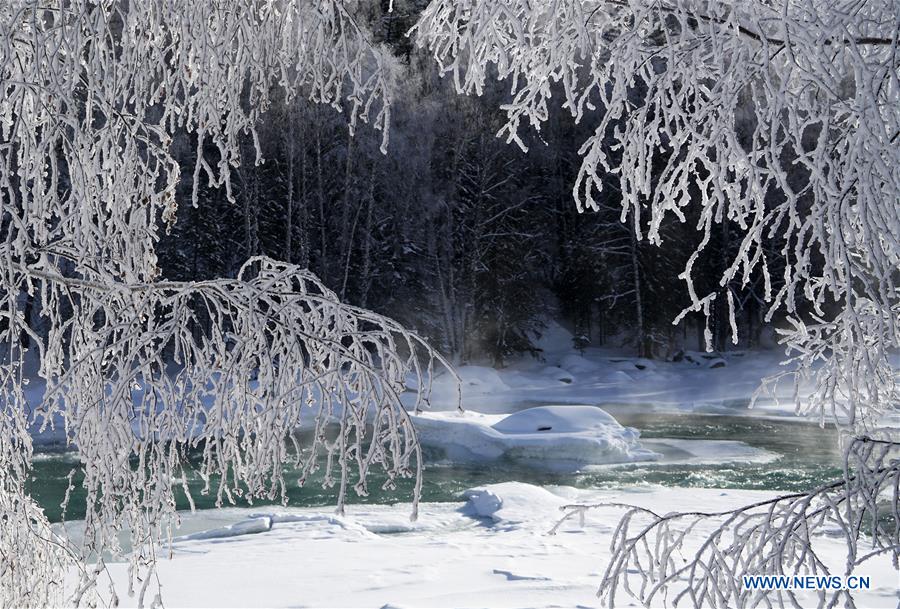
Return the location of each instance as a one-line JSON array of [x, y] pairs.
[[658, 558], [140, 374], [137, 370], [781, 118]]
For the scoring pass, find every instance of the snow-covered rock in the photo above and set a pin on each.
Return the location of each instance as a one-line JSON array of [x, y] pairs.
[[482, 502], [579, 365], [557, 373], [549, 437], [560, 419], [513, 503]]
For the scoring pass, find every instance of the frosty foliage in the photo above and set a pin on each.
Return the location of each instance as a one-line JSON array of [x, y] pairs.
[[33, 559], [781, 118], [138, 370], [660, 558]]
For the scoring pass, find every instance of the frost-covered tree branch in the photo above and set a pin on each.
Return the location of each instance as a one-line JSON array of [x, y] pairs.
[[659, 558], [138, 370], [781, 118]]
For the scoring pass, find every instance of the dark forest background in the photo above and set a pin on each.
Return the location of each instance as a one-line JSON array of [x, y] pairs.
[[455, 233]]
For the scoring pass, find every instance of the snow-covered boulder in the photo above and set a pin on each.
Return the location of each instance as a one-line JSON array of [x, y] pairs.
[[616, 377], [579, 365], [512, 503], [559, 419], [548, 437], [558, 374]]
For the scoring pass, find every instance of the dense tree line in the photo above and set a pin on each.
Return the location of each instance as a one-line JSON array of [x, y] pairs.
[[454, 232]]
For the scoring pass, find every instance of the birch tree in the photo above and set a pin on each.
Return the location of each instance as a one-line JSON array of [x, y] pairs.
[[137, 370]]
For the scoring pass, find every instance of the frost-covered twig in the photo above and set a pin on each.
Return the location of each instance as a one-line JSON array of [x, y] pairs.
[[669, 557], [781, 118], [139, 370]]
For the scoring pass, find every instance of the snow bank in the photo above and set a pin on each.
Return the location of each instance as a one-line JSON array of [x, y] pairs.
[[549, 437], [706, 383], [491, 551], [254, 524], [474, 380]]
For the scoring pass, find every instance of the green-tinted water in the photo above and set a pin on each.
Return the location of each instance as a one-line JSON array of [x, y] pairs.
[[809, 456]]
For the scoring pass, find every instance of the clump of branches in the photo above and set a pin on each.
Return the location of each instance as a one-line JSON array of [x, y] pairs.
[[658, 557], [139, 374], [33, 559], [137, 370], [778, 117]]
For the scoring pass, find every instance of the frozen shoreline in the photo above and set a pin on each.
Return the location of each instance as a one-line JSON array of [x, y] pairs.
[[492, 550]]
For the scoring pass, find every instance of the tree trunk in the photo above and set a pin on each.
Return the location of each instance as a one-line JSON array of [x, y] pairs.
[[320, 192], [365, 273], [641, 335], [289, 203]]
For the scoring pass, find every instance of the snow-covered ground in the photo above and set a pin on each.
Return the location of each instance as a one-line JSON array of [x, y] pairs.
[[492, 550]]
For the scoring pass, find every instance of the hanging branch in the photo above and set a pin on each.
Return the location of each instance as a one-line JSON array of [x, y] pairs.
[[657, 558], [137, 370], [780, 118]]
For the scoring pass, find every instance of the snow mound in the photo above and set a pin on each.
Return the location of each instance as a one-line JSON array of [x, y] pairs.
[[513, 503], [482, 502], [474, 380], [677, 450], [561, 438], [577, 364], [559, 419], [557, 373], [618, 376]]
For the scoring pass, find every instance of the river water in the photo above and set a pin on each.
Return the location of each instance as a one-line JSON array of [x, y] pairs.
[[806, 457]]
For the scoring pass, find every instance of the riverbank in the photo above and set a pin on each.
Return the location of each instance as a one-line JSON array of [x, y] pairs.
[[493, 550]]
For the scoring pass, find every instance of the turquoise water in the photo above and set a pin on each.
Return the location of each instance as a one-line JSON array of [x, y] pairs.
[[808, 457]]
